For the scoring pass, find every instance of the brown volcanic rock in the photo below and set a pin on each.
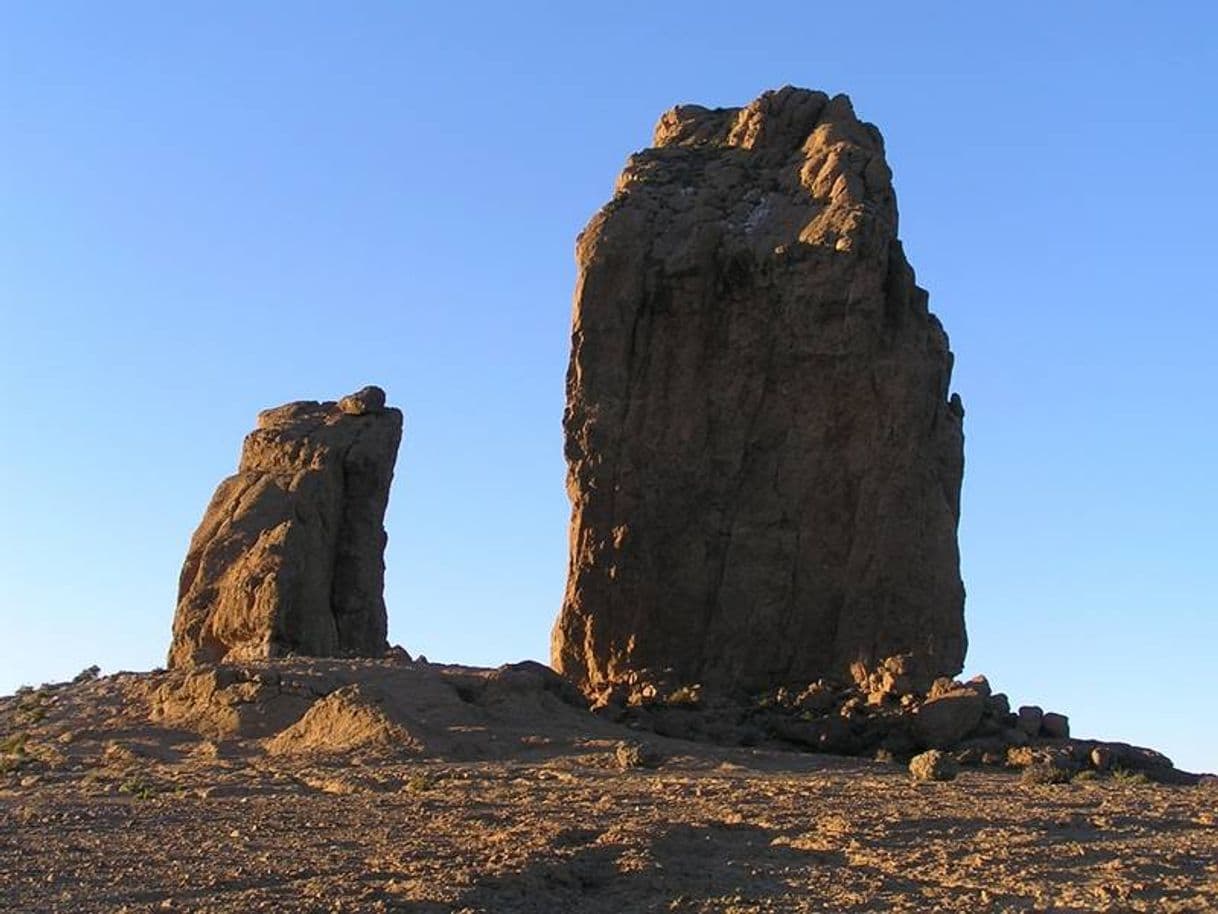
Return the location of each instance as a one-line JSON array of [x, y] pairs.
[[764, 463], [944, 720], [289, 558]]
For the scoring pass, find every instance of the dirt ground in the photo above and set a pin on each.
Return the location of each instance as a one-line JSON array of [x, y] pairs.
[[485, 792]]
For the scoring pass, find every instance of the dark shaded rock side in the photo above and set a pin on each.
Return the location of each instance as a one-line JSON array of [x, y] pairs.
[[963, 722]]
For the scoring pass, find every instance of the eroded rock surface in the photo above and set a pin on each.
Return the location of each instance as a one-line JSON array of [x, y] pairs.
[[764, 458], [289, 558]]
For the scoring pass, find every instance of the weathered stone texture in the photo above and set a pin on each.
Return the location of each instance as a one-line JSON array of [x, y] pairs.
[[764, 462], [289, 558], [944, 720]]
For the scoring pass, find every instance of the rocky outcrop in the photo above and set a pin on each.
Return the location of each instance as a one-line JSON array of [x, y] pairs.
[[764, 461], [946, 719], [961, 721], [289, 558]]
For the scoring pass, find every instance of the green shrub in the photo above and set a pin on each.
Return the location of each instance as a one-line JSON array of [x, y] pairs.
[[1044, 773], [140, 790], [1125, 776]]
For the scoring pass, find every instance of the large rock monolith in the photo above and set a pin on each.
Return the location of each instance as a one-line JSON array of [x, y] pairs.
[[764, 457], [289, 558]]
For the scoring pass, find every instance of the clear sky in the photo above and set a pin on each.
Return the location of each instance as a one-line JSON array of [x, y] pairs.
[[211, 208]]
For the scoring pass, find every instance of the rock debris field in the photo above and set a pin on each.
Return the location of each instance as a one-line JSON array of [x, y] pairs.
[[286, 788]]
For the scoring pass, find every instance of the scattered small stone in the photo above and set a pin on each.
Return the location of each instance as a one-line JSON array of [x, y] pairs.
[[969, 757], [636, 755], [933, 765], [1026, 756]]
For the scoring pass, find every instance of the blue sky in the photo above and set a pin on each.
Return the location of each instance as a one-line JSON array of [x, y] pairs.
[[213, 208]]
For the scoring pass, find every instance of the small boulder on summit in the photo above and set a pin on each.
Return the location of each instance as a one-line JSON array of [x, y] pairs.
[[365, 400]]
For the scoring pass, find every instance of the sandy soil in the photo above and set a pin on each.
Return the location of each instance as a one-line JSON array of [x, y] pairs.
[[492, 794]]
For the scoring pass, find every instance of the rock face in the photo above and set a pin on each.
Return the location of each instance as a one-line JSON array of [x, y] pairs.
[[289, 558], [764, 461], [943, 721]]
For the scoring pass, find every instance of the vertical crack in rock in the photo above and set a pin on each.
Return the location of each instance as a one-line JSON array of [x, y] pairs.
[[289, 557], [763, 464]]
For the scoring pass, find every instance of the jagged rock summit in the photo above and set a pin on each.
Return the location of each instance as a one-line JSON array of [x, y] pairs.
[[289, 558], [764, 457]]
